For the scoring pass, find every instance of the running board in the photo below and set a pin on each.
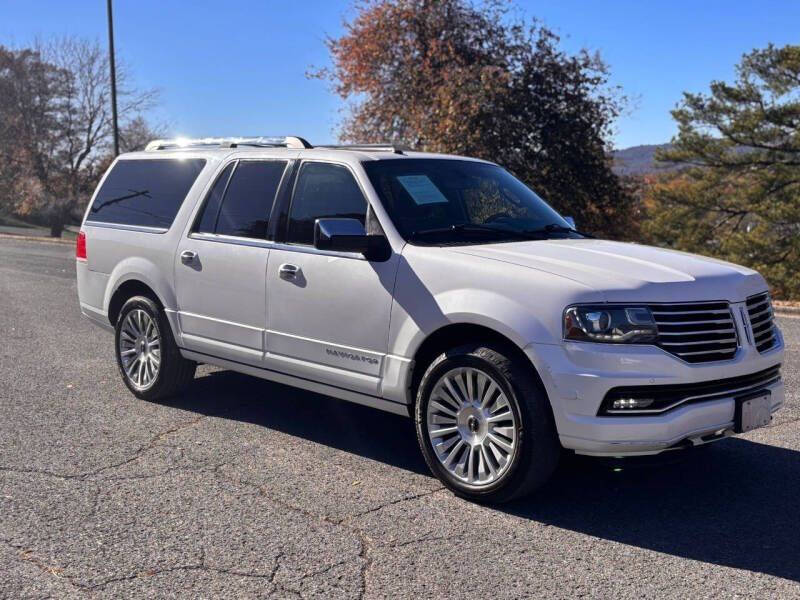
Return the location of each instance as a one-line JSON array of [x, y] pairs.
[[299, 382]]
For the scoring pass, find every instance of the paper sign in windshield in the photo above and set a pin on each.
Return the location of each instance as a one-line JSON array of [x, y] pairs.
[[421, 189]]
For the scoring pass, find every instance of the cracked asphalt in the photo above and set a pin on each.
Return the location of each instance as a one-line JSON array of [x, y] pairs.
[[247, 489]]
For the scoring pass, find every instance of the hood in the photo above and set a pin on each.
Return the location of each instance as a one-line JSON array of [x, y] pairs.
[[625, 272]]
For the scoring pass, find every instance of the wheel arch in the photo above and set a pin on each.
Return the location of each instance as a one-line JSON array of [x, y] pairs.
[[125, 290], [142, 274], [454, 335]]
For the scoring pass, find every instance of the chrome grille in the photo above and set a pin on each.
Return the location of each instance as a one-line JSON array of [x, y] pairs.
[[697, 332], [759, 309]]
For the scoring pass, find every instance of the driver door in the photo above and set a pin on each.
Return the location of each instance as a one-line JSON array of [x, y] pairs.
[[328, 311]]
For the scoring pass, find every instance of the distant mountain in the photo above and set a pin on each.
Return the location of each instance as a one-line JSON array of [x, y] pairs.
[[639, 160]]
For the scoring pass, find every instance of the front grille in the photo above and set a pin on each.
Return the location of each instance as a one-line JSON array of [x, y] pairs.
[[698, 332], [759, 309], [667, 397]]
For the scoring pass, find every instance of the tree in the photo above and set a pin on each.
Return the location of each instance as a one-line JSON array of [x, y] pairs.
[[451, 76], [28, 111], [136, 133], [738, 197], [57, 102]]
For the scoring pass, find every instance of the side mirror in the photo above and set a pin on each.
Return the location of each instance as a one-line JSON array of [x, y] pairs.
[[570, 221], [341, 235]]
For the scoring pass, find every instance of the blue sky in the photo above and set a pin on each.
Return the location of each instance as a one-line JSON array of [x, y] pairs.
[[239, 67]]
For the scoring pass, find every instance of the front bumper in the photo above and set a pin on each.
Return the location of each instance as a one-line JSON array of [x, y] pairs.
[[577, 377]]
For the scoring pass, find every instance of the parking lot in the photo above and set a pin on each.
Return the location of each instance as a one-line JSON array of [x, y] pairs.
[[244, 488]]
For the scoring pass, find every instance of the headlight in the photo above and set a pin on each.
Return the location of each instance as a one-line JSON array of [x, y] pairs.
[[610, 324]]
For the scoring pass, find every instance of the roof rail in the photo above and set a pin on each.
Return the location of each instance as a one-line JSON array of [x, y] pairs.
[[371, 147], [290, 141]]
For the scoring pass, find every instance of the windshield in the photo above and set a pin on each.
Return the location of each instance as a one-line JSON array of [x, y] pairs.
[[443, 201]]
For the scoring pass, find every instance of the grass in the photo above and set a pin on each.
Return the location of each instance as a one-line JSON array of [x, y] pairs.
[[9, 221], [30, 229]]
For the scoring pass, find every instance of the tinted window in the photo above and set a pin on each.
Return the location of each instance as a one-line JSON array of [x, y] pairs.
[[248, 199], [208, 220], [145, 192], [323, 191]]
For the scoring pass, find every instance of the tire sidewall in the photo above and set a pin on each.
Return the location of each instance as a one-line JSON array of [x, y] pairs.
[[470, 357], [155, 313]]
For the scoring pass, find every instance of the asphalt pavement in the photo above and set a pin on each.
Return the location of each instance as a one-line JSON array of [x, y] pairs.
[[243, 488]]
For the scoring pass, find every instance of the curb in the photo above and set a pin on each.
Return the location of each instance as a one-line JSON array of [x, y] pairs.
[[33, 238], [787, 311]]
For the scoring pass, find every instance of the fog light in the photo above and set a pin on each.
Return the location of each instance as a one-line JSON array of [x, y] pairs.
[[631, 403]]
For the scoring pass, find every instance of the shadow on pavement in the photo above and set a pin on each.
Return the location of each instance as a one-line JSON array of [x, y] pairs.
[[343, 425], [736, 503]]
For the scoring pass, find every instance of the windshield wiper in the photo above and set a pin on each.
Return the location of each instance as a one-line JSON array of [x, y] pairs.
[[556, 228], [475, 228]]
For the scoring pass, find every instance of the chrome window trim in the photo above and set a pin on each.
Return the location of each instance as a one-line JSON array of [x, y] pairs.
[[256, 243], [124, 227], [231, 239], [304, 249]]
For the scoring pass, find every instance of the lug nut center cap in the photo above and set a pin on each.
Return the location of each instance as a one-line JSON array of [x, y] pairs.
[[472, 424]]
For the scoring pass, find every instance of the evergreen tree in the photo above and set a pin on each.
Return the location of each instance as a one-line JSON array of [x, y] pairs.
[[738, 197]]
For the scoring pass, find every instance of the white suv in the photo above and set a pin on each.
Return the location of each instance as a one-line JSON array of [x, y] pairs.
[[433, 286]]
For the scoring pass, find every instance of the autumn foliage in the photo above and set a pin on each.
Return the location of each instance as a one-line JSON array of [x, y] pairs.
[[450, 76]]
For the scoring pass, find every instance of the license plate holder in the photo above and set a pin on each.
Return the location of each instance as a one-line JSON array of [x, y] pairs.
[[753, 411]]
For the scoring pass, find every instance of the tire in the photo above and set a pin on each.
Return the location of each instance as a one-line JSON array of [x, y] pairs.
[[148, 358], [499, 446]]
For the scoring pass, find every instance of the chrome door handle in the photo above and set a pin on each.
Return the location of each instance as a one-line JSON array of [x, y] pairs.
[[188, 256], [288, 271]]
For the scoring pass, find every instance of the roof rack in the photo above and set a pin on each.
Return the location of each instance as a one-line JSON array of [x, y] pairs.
[[371, 147], [290, 141]]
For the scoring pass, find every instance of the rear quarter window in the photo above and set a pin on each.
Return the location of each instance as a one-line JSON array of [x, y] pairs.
[[145, 193]]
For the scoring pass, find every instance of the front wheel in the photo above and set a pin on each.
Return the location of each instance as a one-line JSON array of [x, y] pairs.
[[484, 424], [148, 358]]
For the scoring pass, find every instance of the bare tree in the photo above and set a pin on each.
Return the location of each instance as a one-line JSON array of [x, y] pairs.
[[66, 129], [136, 133]]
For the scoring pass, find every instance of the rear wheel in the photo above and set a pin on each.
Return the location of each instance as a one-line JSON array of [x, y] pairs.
[[484, 424], [148, 358]]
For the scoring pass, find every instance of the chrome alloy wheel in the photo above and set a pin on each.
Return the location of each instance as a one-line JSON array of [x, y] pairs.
[[140, 349], [471, 426]]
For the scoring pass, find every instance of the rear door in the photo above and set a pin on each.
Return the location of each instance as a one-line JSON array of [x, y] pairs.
[[220, 264]]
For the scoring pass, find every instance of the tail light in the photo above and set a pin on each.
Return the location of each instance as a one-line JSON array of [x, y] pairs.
[[80, 246]]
